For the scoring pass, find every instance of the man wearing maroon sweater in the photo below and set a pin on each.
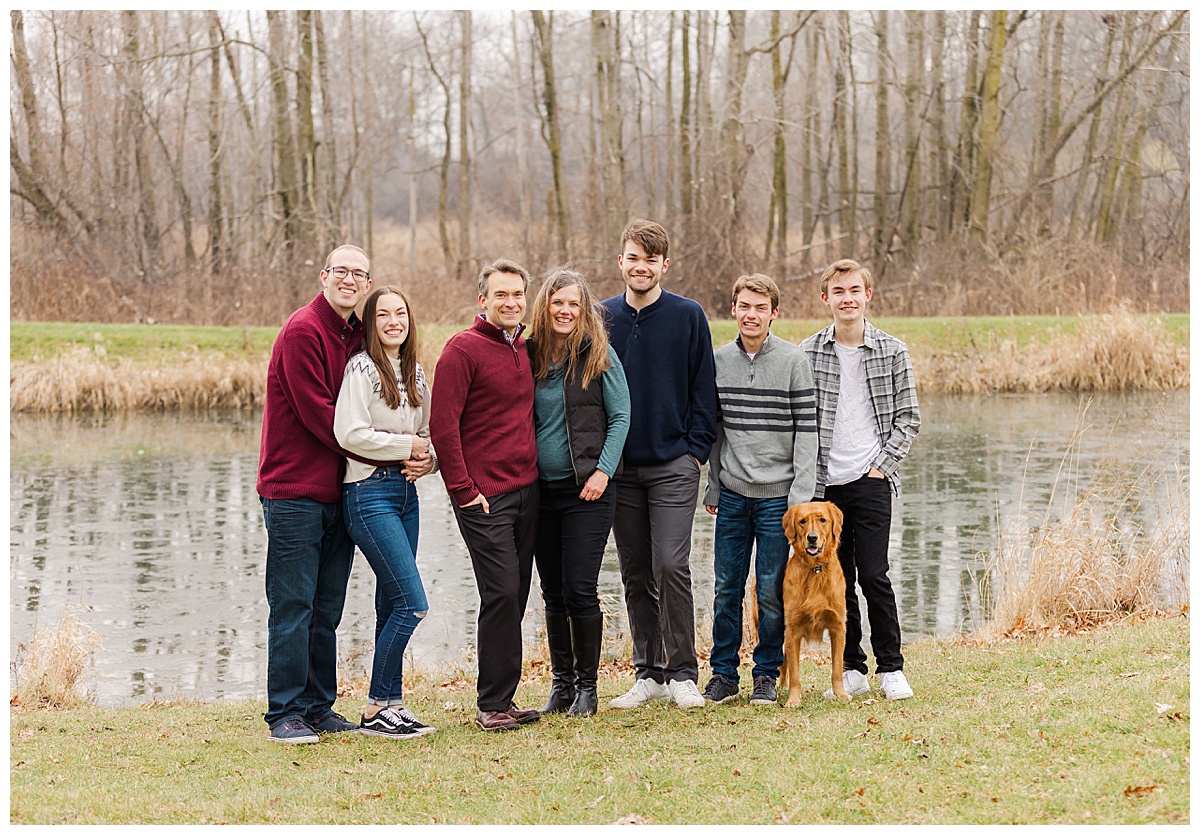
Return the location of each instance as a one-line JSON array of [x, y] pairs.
[[300, 470], [481, 424]]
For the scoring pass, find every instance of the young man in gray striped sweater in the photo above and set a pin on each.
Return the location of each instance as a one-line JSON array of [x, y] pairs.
[[764, 461]]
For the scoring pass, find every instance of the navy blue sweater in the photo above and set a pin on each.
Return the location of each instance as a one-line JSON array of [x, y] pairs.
[[666, 349]]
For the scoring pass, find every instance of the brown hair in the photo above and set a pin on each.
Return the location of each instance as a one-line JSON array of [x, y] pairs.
[[502, 265], [388, 385], [337, 249], [647, 234], [757, 283], [842, 267], [590, 324]]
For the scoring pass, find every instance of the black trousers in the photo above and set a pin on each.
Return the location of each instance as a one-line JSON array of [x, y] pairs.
[[866, 506], [501, 546], [571, 536]]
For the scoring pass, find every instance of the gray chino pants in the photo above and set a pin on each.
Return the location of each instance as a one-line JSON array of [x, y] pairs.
[[656, 505]]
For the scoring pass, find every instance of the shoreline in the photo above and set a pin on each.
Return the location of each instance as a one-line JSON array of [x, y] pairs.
[[60, 367]]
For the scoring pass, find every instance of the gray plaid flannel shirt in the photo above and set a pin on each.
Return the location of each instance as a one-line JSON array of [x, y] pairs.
[[893, 396]]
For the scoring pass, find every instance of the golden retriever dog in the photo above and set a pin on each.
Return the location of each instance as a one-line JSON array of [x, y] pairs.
[[814, 592]]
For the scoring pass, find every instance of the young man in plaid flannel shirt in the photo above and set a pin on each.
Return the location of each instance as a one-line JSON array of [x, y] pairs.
[[866, 420]]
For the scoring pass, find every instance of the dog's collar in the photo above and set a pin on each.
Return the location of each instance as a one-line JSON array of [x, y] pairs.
[[818, 568]]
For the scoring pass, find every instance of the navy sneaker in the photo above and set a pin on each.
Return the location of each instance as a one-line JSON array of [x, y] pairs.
[[720, 689], [764, 691], [334, 723], [389, 723], [293, 732]]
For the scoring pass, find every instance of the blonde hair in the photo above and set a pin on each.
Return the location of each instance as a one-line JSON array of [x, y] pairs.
[[590, 324], [844, 267]]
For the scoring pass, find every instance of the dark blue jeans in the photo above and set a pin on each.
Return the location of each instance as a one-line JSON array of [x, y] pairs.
[[309, 555], [383, 518], [742, 523]]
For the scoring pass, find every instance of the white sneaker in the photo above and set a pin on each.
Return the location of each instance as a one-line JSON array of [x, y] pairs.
[[895, 685], [643, 692], [855, 683], [685, 694]]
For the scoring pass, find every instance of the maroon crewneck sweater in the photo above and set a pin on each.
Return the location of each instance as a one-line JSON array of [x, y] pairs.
[[299, 457], [481, 414]]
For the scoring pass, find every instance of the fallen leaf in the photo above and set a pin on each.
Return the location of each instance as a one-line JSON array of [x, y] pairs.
[[861, 735], [1161, 708], [737, 773], [872, 721], [630, 819], [1139, 791], [860, 791], [592, 805]]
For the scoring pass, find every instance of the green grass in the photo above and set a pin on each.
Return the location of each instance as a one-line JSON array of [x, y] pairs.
[[1091, 728], [29, 341]]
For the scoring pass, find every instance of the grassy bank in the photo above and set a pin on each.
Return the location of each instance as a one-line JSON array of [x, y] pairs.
[[1087, 728], [58, 367]]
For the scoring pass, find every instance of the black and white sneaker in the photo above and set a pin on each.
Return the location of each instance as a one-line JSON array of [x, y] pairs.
[[389, 723], [412, 719]]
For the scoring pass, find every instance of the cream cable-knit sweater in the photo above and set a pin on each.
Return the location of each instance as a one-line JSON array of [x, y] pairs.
[[364, 425]]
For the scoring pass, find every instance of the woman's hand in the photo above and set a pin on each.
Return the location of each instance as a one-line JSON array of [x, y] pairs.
[[595, 486], [419, 465], [419, 445]]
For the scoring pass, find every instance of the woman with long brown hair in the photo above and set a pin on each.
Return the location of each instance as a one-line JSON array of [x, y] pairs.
[[381, 416], [581, 418]]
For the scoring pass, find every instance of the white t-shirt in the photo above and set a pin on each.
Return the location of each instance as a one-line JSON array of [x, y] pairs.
[[855, 442]]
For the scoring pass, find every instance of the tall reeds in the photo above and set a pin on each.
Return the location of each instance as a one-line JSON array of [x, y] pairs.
[[1089, 559], [50, 670], [1119, 351]]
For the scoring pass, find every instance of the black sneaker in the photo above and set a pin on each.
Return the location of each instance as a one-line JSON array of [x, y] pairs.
[[334, 723], [389, 723], [720, 689], [411, 718], [293, 732], [764, 691]]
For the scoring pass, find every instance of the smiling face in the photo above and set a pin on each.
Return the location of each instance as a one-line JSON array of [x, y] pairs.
[[754, 315], [565, 309], [344, 291], [391, 323], [846, 296], [504, 304], [641, 271]]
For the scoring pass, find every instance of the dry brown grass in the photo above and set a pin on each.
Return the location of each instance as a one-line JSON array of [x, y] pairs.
[[50, 670], [1087, 560], [83, 381], [1119, 351]]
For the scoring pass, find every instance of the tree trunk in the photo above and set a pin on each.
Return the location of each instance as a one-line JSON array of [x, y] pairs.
[[914, 85], [939, 162], [809, 147], [465, 208], [526, 199], [963, 173], [444, 167], [1107, 188], [216, 212], [880, 246], [606, 53], [989, 119], [329, 227], [306, 134], [551, 132], [284, 144]]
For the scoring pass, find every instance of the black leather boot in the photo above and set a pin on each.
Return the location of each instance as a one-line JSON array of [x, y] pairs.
[[562, 663], [586, 635]]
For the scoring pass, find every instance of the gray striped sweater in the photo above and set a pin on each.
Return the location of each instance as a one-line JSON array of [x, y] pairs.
[[767, 424]]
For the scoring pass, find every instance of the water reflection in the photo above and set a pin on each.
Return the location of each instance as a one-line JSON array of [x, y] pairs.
[[154, 523]]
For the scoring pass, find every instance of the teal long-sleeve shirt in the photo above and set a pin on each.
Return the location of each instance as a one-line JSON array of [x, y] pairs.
[[550, 422]]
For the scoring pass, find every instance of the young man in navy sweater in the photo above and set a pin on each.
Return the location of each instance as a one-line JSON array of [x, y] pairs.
[[300, 470], [664, 342]]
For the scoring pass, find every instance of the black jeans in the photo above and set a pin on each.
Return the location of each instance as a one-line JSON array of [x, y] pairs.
[[501, 546], [571, 536], [866, 506]]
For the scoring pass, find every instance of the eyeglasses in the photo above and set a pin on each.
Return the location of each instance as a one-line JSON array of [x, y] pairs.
[[341, 272]]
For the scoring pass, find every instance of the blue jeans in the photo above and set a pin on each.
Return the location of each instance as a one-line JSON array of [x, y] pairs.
[[383, 519], [309, 555], [741, 524]]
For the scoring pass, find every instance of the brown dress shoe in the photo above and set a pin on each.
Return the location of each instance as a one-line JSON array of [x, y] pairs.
[[522, 716], [495, 720]]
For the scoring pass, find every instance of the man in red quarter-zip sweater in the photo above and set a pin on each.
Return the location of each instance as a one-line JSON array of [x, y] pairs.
[[481, 424]]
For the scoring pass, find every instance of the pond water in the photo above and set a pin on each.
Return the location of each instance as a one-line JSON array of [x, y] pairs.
[[152, 522]]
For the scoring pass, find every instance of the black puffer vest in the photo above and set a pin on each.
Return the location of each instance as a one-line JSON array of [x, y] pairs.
[[587, 419]]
